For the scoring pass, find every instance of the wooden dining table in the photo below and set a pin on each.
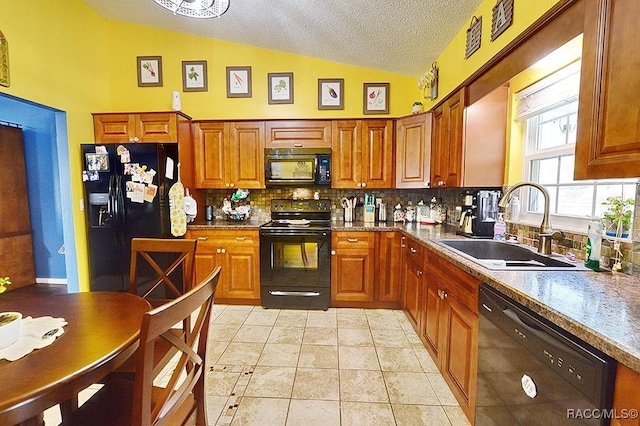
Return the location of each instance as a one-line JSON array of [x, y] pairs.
[[102, 332]]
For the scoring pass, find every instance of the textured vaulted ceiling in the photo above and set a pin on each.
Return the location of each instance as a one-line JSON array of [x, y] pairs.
[[403, 36]]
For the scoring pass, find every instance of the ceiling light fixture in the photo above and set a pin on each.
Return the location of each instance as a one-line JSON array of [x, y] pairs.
[[196, 8]]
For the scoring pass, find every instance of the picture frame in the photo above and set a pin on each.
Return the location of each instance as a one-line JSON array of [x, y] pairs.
[[194, 76], [149, 71], [280, 88], [376, 98], [238, 82], [331, 93]]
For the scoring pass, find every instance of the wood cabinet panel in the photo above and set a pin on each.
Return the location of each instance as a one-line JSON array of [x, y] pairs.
[[238, 252], [413, 151], [156, 127], [112, 128], [346, 153], [447, 143], [389, 261], [608, 133], [362, 154], [626, 396], [352, 266], [16, 258], [229, 155], [298, 134]]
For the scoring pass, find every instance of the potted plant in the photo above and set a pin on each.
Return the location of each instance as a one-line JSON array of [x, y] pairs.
[[417, 107], [617, 218]]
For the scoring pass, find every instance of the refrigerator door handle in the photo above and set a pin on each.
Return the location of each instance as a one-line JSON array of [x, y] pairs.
[[120, 201]]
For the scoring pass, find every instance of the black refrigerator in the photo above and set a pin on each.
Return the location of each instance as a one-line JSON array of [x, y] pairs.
[[126, 195]]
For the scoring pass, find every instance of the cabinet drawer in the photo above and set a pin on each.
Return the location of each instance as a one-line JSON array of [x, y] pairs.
[[352, 240], [298, 134], [414, 252], [456, 282], [225, 238]]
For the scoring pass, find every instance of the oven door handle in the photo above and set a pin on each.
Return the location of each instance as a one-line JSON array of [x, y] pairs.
[[296, 234], [294, 293]]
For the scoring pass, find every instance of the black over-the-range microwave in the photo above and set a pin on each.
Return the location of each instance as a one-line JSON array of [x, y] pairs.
[[297, 166]]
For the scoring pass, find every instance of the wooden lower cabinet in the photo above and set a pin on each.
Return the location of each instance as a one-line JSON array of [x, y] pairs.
[[352, 267], [365, 269], [238, 253], [449, 328], [626, 397]]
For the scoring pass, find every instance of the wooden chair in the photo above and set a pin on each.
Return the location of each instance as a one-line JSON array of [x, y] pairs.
[[182, 399], [146, 276]]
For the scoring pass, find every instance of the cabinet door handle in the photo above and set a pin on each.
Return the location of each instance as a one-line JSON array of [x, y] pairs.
[[413, 250], [352, 240], [333, 252], [203, 238], [241, 238], [297, 145], [359, 184], [419, 273]]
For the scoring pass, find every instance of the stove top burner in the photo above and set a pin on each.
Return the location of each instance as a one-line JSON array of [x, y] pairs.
[[292, 215]]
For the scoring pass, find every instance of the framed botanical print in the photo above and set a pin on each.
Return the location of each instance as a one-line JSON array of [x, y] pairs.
[[194, 76], [280, 88], [376, 98], [149, 71], [330, 93], [238, 82]]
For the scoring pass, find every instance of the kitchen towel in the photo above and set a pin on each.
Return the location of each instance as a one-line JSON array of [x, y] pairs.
[[35, 333]]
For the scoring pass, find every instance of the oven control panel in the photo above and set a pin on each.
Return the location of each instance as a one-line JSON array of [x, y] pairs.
[[287, 205]]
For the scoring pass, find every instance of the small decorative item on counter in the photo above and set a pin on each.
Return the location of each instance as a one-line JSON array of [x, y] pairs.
[[190, 207], [416, 108], [411, 213], [9, 328], [594, 241], [514, 209], [617, 218], [236, 206], [381, 210], [208, 213], [398, 213], [499, 228]]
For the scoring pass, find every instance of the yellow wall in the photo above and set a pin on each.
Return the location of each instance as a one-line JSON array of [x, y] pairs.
[[454, 68]]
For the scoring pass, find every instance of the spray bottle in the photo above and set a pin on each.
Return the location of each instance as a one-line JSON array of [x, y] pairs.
[[594, 241]]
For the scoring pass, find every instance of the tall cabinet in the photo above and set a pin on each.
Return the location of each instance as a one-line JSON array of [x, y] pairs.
[[16, 249], [413, 151], [446, 145], [608, 137]]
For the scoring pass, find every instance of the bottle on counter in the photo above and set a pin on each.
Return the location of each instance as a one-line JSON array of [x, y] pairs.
[[499, 228], [594, 242], [411, 212], [515, 209]]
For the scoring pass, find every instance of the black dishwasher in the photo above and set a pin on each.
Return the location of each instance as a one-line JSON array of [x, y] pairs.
[[531, 372]]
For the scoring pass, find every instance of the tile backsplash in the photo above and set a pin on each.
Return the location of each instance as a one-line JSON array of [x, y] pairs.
[[450, 197]]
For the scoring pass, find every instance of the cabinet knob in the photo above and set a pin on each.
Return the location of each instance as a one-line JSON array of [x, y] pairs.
[[203, 238], [135, 139], [413, 250], [419, 273], [218, 250], [223, 250], [333, 252], [359, 184], [364, 184], [231, 185]]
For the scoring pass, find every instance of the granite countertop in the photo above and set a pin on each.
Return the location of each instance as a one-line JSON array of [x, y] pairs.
[[252, 223], [600, 308]]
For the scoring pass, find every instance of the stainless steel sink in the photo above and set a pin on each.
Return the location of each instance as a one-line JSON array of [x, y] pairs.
[[499, 255]]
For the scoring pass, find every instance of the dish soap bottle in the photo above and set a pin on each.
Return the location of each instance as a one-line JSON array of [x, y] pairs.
[[499, 228], [594, 241]]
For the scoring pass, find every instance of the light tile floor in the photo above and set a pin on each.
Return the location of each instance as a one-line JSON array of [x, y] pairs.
[[336, 367]]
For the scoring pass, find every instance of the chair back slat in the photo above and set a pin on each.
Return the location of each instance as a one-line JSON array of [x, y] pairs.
[[184, 391], [145, 254]]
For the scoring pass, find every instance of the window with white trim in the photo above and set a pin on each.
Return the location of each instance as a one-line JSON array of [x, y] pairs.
[[550, 108]]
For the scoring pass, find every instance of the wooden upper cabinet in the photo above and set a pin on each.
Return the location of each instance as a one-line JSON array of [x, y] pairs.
[[608, 135], [229, 154], [413, 151], [137, 127], [210, 143], [447, 142], [246, 154], [485, 138], [377, 154], [298, 134], [362, 154]]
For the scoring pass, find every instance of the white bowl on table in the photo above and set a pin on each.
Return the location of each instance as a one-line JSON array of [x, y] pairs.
[[9, 328]]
